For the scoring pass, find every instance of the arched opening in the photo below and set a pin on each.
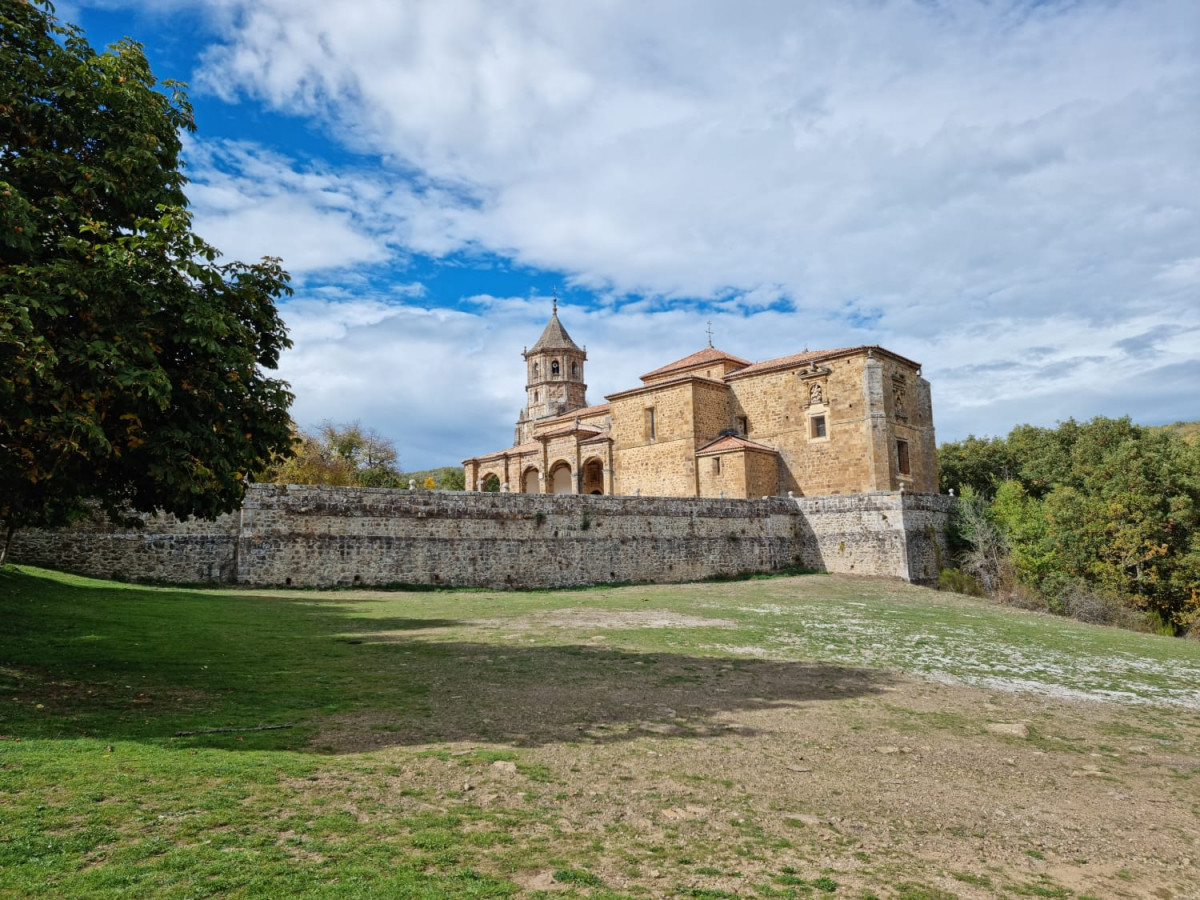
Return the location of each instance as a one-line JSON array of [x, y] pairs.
[[554, 369], [593, 476], [574, 369], [529, 482], [535, 371], [491, 483], [560, 479]]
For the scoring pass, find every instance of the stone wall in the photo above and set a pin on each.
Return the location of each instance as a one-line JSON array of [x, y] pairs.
[[892, 533], [319, 536], [165, 549]]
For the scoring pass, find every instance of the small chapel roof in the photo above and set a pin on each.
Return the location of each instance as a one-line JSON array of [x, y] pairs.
[[582, 412], [519, 450], [570, 429], [708, 355], [728, 442], [554, 336]]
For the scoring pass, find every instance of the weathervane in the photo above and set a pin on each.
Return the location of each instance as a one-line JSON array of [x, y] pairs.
[[710, 332], [556, 300]]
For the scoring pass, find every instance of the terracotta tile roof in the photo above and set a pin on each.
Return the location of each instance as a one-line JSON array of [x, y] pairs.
[[570, 429], [582, 413], [733, 442], [699, 358], [812, 356], [670, 382], [531, 447]]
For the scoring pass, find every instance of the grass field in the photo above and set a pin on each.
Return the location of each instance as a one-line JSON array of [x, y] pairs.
[[790, 737]]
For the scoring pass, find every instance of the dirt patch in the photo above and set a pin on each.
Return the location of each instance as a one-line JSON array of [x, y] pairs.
[[944, 786]]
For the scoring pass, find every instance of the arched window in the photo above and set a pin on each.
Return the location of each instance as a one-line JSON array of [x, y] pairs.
[[535, 370], [535, 396], [554, 367], [574, 368]]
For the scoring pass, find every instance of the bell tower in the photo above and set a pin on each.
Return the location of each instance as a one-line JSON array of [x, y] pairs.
[[553, 377]]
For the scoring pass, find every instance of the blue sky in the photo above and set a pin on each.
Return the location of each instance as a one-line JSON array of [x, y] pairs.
[[1003, 190]]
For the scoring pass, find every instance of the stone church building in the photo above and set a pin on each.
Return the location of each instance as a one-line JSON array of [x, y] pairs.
[[713, 424]]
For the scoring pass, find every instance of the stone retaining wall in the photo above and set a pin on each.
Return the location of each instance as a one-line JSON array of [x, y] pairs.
[[306, 535]]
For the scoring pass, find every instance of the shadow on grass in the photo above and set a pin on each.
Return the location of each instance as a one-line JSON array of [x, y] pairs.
[[132, 663]]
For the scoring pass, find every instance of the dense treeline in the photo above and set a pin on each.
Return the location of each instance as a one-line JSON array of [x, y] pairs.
[[1099, 520]]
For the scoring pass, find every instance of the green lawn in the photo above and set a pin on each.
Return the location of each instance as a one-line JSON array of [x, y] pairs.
[[406, 707]]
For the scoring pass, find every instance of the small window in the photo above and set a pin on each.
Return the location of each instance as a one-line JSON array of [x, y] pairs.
[[651, 430], [535, 370], [902, 461], [818, 426], [554, 367], [716, 467], [535, 396], [743, 425], [574, 368]]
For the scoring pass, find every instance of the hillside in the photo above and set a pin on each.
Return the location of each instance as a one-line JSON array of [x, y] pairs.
[[1189, 431]]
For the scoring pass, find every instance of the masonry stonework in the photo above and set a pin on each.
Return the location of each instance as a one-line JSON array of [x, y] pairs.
[[846, 421], [304, 535]]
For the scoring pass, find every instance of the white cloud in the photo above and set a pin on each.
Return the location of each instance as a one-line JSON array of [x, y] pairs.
[[965, 182]]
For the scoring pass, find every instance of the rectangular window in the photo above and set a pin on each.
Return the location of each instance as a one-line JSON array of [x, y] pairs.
[[902, 457], [818, 426], [743, 425], [651, 430], [716, 468]]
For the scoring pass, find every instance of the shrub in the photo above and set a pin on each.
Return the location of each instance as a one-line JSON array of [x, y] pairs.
[[1077, 599], [959, 582]]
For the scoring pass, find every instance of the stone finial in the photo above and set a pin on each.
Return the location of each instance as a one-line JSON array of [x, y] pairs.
[[951, 492], [412, 484]]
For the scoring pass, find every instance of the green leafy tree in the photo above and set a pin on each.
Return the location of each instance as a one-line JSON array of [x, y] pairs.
[[1105, 505], [452, 479], [978, 464], [131, 361], [1025, 524], [338, 454]]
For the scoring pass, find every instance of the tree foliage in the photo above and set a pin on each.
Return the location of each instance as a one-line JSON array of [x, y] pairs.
[[348, 455], [444, 478], [1105, 503], [131, 360]]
